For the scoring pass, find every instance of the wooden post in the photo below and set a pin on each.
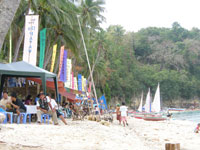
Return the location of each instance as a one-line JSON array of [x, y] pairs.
[[26, 88], [170, 146], [38, 88]]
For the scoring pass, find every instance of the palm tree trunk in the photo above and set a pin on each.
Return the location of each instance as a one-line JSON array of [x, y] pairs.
[[8, 9], [98, 54], [19, 42]]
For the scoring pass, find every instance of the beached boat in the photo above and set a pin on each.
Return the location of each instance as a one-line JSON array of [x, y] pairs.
[[154, 118]]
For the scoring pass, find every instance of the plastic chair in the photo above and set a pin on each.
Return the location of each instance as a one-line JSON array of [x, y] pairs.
[[6, 119], [24, 117], [45, 116]]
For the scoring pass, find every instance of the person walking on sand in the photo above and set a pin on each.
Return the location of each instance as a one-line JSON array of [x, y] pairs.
[[124, 113], [118, 113]]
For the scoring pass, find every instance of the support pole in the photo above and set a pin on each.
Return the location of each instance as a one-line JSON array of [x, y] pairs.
[[88, 64], [10, 43]]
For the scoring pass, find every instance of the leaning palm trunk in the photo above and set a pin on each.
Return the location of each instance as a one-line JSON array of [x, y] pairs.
[[8, 9], [19, 42]]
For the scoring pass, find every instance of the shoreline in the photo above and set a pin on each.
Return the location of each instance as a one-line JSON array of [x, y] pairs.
[[86, 135]]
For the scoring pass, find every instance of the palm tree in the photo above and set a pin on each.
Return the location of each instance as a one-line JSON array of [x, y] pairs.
[[8, 9]]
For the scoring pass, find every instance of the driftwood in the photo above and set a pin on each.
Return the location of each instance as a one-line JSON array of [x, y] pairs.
[[172, 146]]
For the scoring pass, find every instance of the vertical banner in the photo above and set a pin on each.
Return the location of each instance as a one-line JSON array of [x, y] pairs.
[[72, 80], [83, 83], [61, 60], [69, 69], [64, 68], [75, 84], [53, 57], [42, 46], [30, 39], [79, 82]]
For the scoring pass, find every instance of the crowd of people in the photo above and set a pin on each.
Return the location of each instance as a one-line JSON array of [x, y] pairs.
[[45, 105]]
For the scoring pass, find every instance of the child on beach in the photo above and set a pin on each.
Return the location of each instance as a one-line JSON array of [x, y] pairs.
[[197, 129], [124, 114], [118, 113]]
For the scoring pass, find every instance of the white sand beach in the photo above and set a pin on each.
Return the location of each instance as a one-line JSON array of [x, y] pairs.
[[90, 135]]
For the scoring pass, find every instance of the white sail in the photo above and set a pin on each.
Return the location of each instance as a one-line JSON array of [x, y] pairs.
[[140, 107], [147, 105], [156, 101]]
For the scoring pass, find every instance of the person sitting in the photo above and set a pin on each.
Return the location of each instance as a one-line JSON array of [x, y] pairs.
[[28, 100], [17, 106], [4, 103], [43, 105], [54, 106], [197, 129]]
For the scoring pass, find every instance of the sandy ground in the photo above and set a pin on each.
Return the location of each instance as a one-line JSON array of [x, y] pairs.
[[89, 135]]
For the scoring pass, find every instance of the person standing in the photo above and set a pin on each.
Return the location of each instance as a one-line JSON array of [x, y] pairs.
[[43, 105], [124, 113], [118, 113]]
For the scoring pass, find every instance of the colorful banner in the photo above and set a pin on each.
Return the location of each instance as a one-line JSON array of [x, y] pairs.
[[75, 84], [42, 46], [64, 68], [69, 69], [79, 82], [30, 39], [83, 83], [72, 80], [53, 57], [61, 60]]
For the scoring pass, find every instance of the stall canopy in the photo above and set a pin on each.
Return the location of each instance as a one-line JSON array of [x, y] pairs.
[[62, 90], [24, 69]]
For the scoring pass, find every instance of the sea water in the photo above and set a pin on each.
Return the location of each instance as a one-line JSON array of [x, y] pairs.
[[193, 116]]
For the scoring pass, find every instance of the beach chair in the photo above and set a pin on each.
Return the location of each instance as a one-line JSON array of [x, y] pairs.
[[44, 116], [6, 119], [24, 115]]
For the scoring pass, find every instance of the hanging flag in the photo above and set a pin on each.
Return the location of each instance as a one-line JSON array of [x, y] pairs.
[[72, 80], [79, 82], [63, 69], [30, 39], [53, 57], [61, 59], [83, 83], [69, 69], [75, 83], [42, 46]]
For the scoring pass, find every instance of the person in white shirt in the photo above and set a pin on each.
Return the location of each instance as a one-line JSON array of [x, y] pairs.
[[124, 113], [5, 101], [54, 106], [43, 105]]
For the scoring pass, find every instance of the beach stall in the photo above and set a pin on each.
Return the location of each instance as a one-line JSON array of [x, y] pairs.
[[26, 70]]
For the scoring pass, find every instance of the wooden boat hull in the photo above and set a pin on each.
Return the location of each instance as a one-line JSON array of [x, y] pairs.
[[154, 118]]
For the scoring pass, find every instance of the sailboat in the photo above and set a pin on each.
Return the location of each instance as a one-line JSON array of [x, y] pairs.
[[140, 107], [156, 102], [147, 106], [155, 108]]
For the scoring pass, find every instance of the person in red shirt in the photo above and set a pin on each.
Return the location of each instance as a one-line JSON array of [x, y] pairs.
[[197, 128]]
